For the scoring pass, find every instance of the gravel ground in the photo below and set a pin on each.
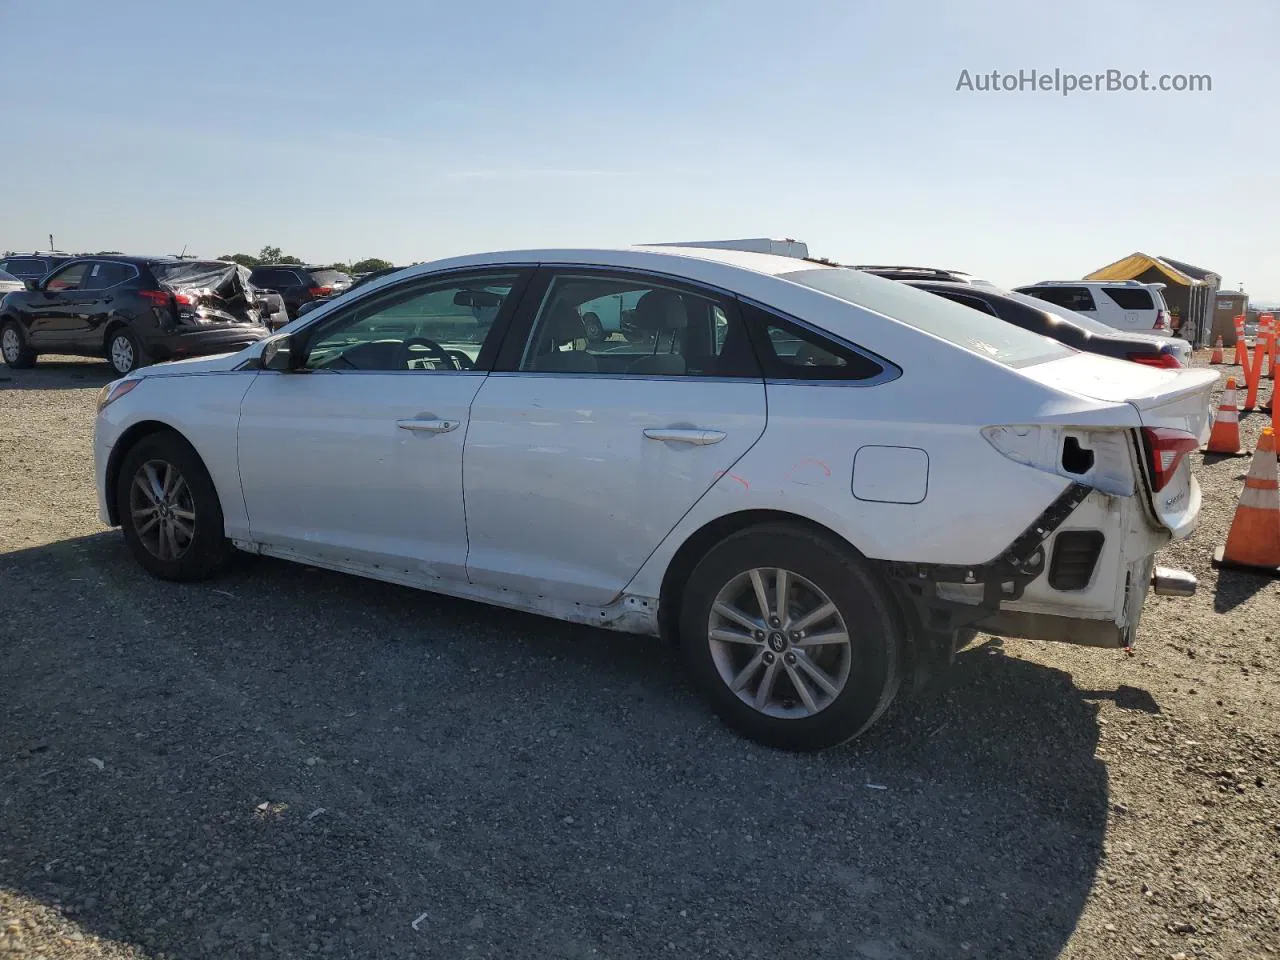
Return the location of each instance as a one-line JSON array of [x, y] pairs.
[[293, 763]]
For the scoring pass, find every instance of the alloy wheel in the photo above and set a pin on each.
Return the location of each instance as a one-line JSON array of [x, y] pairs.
[[779, 643], [163, 510]]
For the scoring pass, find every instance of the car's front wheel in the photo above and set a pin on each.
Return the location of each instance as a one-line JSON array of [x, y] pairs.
[[790, 637], [169, 510], [124, 351], [13, 348]]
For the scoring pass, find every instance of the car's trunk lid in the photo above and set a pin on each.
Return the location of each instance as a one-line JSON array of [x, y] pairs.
[[1165, 400], [219, 292], [1177, 399]]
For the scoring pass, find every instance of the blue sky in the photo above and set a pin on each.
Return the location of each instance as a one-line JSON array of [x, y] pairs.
[[412, 130]]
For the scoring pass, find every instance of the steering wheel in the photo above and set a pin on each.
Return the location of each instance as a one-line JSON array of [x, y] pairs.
[[433, 349]]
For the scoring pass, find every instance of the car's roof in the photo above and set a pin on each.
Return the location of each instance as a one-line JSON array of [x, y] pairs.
[[640, 257]]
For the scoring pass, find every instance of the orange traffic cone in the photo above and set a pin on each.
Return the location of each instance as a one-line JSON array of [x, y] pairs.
[[1253, 373], [1241, 357], [1254, 540], [1224, 438], [1217, 353]]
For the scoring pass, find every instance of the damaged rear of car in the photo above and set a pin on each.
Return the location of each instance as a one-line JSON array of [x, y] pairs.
[[132, 311]]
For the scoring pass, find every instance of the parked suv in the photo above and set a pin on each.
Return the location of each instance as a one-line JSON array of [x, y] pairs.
[[1124, 304], [132, 310], [299, 284], [32, 266]]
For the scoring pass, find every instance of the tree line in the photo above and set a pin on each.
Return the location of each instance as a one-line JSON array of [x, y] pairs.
[[272, 255]]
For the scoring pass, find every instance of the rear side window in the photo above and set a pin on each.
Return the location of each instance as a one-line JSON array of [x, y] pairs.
[[104, 275], [971, 330], [1073, 298], [1130, 298], [25, 268]]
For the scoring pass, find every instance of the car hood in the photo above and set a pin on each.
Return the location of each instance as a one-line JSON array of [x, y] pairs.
[[217, 363]]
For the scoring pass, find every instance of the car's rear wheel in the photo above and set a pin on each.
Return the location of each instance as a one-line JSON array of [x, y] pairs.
[[790, 638], [124, 351], [13, 348], [169, 510]]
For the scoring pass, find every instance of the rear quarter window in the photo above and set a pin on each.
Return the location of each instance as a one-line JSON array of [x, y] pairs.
[[1130, 298], [969, 329]]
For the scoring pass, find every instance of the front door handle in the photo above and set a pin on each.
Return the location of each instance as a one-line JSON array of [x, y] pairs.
[[699, 438], [428, 426]]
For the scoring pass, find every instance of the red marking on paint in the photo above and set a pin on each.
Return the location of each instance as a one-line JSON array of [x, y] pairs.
[[733, 476], [825, 469]]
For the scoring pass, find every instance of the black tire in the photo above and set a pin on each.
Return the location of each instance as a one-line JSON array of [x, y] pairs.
[[207, 551], [124, 351], [874, 664], [14, 347], [594, 328]]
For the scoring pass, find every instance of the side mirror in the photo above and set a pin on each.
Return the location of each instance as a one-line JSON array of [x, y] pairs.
[[279, 354], [32, 284]]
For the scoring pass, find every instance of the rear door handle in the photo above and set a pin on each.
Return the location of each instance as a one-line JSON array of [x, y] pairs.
[[427, 426], [699, 438]]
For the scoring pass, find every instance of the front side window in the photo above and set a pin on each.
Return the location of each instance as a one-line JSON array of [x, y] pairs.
[[438, 326], [635, 326], [971, 330], [68, 278]]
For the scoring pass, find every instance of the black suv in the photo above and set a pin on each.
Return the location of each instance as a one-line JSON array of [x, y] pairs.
[[32, 266], [132, 310], [298, 284]]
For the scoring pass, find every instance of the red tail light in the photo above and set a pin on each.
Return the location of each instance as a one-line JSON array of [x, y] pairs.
[[1166, 447], [1165, 360], [320, 291], [162, 298], [1162, 320]]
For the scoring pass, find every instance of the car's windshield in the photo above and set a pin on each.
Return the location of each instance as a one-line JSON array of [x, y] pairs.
[[971, 329]]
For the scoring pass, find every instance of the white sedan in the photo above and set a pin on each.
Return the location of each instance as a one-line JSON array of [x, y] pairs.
[[814, 479]]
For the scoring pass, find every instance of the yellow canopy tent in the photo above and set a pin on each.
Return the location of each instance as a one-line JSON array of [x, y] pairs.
[[1192, 298], [1133, 266]]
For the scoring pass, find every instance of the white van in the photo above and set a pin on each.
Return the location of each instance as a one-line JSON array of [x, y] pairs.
[[1124, 304]]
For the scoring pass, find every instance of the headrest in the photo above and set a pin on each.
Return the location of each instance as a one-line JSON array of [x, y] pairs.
[[563, 324], [660, 310]]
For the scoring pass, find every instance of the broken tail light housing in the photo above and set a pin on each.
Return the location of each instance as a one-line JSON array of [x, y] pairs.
[[1163, 360], [1166, 449], [1162, 320]]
